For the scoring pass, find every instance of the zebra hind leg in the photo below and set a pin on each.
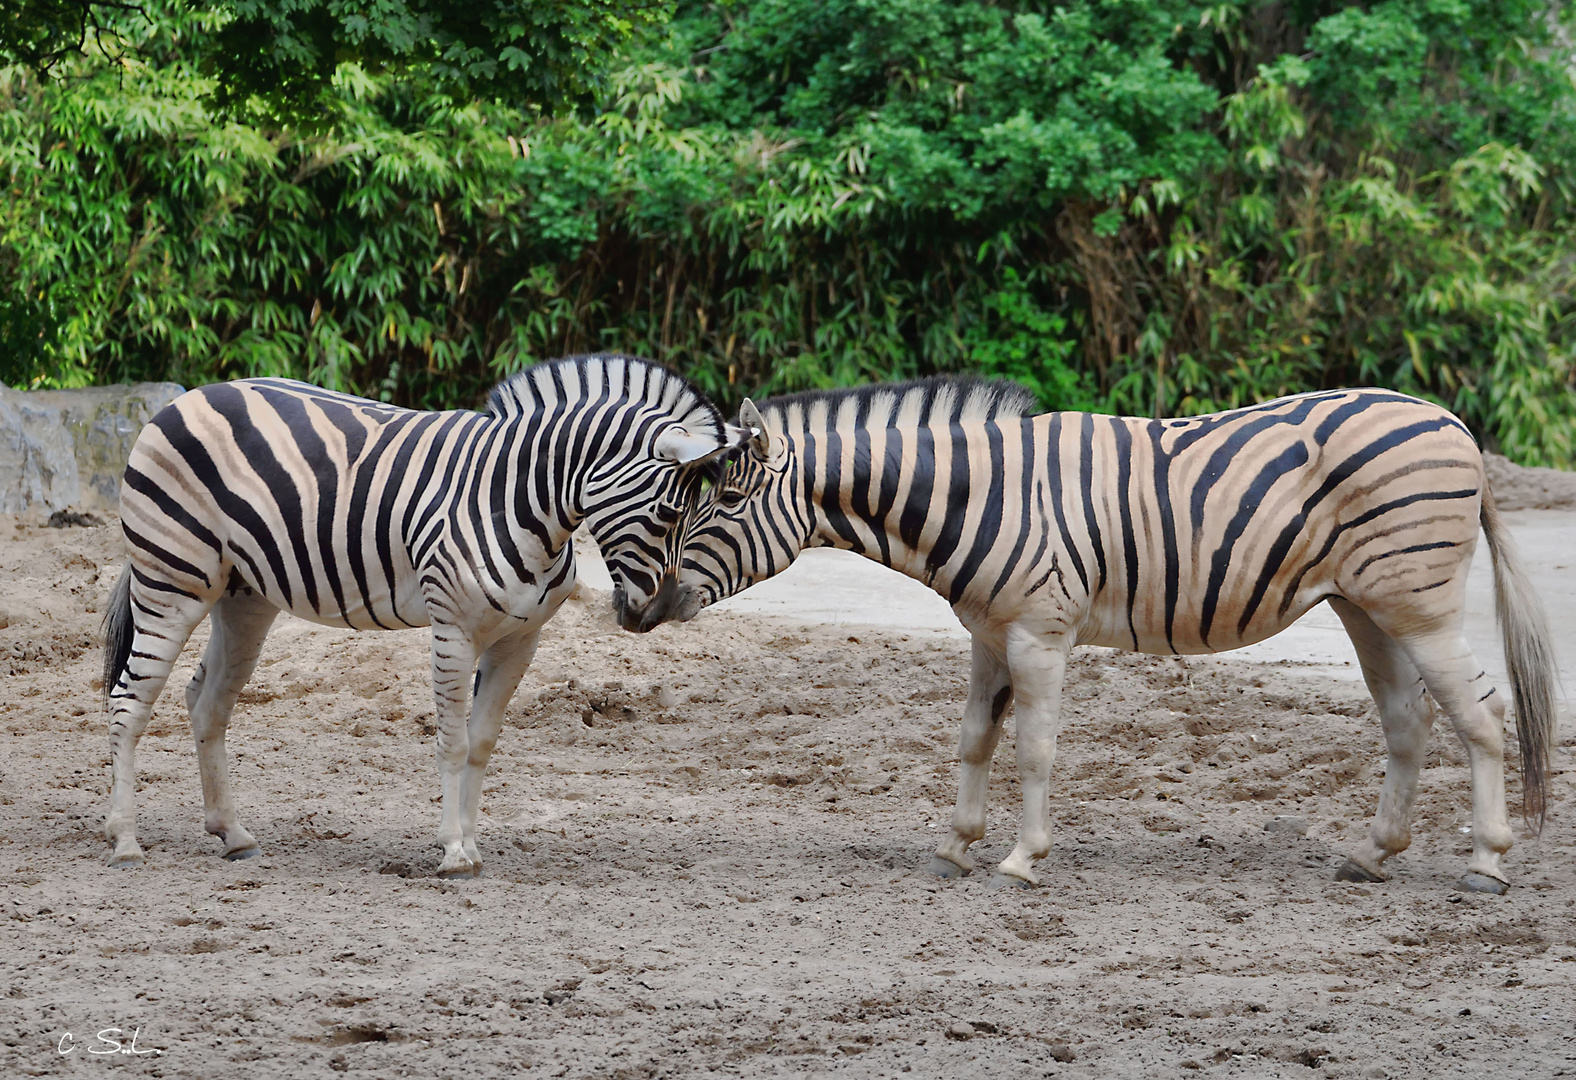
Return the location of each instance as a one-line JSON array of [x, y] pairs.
[[1477, 711], [497, 676], [1407, 715], [240, 622], [145, 630], [990, 691]]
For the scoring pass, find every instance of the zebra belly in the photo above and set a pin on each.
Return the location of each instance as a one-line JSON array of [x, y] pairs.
[[1147, 623], [368, 601], [382, 614]]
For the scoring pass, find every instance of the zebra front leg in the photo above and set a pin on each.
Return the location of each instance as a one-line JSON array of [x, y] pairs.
[[497, 676], [453, 659], [145, 630], [990, 691], [1407, 716], [1038, 663], [239, 625]]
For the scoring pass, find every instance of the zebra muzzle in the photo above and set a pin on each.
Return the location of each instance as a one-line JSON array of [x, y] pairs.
[[672, 603]]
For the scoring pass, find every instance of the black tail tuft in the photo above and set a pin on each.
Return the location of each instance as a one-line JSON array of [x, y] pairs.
[[118, 632]]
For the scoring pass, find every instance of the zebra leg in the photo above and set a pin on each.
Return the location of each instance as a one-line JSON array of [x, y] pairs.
[[1038, 663], [497, 676], [990, 691], [1407, 716], [1477, 712], [453, 659], [239, 625], [157, 624]]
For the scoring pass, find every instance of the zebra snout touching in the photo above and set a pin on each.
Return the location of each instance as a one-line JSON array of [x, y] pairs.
[[672, 602]]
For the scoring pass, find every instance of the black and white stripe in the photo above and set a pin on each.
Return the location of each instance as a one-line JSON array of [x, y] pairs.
[[1166, 536], [248, 498]]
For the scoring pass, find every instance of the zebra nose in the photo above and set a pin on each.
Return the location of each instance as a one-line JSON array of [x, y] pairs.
[[627, 614], [688, 604], [672, 600]]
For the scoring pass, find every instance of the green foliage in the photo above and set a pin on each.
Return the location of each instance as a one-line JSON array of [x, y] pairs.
[[1155, 206], [1019, 340], [41, 33], [29, 342], [274, 60], [1394, 210]]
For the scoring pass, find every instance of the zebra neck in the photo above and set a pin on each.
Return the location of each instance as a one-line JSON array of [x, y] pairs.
[[867, 490], [545, 494]]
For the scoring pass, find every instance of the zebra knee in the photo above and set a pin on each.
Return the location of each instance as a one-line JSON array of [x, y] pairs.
[[481, 753], [452, 752]]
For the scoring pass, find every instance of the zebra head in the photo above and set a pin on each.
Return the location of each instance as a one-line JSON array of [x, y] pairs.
[[748, 524], [655, 438], [636, 525]]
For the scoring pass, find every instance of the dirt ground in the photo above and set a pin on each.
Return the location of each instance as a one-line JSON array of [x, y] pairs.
[[705, 852]]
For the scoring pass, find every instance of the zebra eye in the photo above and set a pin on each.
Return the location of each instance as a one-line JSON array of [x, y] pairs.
[[730, 498], [667, 514]]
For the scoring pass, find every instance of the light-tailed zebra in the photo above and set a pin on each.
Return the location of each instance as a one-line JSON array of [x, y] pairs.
[[1163, 536], [247, 498]]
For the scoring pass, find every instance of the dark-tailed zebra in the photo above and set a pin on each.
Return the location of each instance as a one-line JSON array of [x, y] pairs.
[[249, 498], [1163, 536]]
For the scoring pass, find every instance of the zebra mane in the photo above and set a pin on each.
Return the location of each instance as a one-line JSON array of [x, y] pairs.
[[572, 379], [938, 399]]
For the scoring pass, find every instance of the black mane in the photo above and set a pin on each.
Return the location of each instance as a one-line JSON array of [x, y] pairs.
[[971, 398], [543, 384]]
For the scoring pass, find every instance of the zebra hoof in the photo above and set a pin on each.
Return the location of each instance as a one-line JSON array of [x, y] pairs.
[[128, 858], [1350, 871], [245, 853], [999, 881], [946, 868], [1473, 882]]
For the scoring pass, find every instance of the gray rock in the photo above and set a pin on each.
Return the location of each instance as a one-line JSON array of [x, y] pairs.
[[104, 422], [1298, 826], [1519, 488], [68, 448], [38, 465]]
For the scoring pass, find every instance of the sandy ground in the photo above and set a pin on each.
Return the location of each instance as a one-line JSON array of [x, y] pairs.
[[705, 853]]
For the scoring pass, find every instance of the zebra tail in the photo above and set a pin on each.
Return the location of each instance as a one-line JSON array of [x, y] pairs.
[[118, 632], [1529, 658]]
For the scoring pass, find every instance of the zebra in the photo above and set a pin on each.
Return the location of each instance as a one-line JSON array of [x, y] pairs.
[[1174, 536], [248, 498]]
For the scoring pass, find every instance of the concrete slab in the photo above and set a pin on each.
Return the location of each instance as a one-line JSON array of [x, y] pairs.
[[841, 588]]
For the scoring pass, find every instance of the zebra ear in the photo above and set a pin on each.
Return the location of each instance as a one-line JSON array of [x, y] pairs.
[[760, 435], [679, 444]]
